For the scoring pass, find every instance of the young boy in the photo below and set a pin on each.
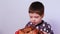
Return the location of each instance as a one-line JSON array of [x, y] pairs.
[[36, 13]]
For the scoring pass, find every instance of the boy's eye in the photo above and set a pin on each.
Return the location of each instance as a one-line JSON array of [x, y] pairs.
[[36, 16]]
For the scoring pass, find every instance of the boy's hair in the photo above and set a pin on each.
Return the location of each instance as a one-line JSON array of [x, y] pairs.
[[36, 7]]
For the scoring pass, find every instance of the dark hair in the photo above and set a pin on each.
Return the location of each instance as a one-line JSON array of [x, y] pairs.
[[36, 7]]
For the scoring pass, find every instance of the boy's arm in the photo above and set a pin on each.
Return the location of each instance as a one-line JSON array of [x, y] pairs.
[[48, 29], [48, 33]]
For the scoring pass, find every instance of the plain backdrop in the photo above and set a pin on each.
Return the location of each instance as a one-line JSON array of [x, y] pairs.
[[14, 14]]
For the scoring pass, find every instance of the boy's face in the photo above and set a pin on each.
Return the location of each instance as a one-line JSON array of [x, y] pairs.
[[35, 18]]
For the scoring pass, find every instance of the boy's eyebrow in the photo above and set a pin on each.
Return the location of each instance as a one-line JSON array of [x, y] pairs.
[[36, 16]]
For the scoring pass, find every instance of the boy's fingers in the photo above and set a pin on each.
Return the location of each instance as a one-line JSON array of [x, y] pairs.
[[45, 32]]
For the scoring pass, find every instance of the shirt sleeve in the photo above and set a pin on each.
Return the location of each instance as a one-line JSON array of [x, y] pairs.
[[49, 30]]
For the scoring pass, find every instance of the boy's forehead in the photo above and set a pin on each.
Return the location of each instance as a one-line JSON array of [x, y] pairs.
[[34, 14]]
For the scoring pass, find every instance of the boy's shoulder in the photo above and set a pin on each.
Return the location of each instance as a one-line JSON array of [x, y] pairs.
[[43, 24]]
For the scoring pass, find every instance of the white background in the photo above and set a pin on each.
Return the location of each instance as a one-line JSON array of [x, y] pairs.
[[14, 14]]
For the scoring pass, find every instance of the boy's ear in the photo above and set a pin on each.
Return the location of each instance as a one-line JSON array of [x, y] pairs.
[[42, 15]]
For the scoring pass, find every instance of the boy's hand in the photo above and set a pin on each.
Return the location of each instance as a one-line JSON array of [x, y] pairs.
[[45, 32]]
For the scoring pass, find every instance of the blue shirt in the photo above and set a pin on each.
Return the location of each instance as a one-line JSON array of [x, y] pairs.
[[43, 26]]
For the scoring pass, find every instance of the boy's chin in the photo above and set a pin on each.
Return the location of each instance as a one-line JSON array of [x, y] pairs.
[[35, 23]]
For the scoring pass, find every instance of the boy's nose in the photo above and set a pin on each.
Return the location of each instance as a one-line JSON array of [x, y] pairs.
[[33, 19]]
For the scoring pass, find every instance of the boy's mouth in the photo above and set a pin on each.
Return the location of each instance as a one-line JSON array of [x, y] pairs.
[[34, 22]]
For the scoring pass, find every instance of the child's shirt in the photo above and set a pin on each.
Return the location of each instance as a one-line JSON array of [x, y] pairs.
[[43, 26]]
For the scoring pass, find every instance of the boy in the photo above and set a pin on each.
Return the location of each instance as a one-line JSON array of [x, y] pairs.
[[36, 13]]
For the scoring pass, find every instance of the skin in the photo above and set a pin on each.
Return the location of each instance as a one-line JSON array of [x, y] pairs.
[[35, 18]]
